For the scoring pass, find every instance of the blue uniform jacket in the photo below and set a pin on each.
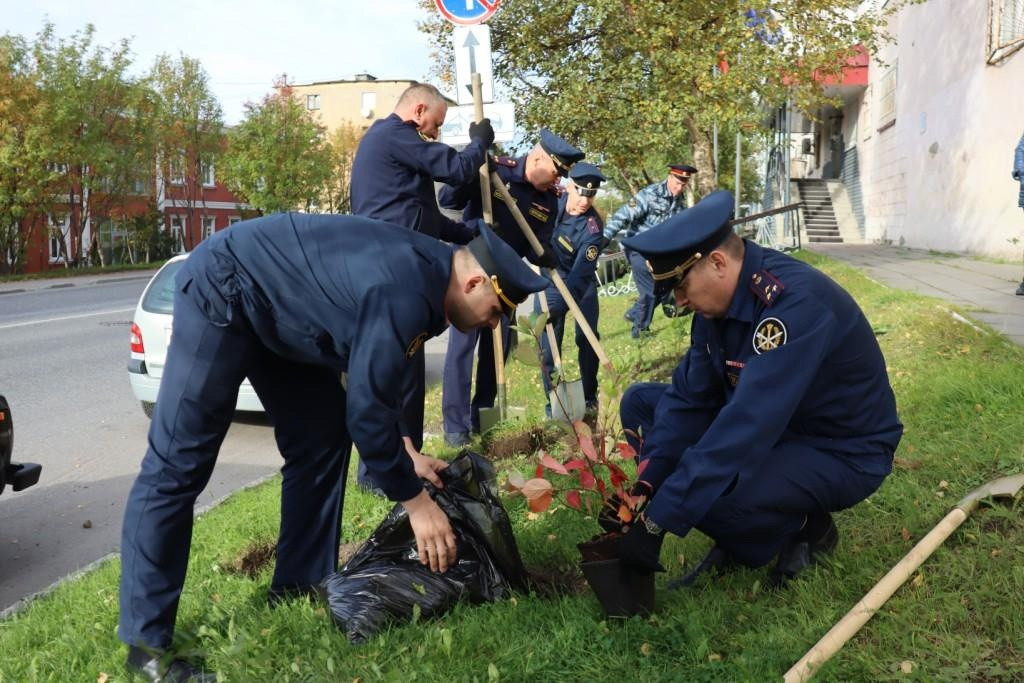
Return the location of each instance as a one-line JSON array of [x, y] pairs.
[[538, 208], [650, 206], [393, 178], [360, 296], [577, 245], [793, 359], [1018, 169]]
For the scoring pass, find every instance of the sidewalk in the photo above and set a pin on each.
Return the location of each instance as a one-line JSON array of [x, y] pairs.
[[982, 289], [21, 286]]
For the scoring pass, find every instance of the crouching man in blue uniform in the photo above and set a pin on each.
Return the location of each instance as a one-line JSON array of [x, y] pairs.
[[577, 245], [291, 301], [779, 414]]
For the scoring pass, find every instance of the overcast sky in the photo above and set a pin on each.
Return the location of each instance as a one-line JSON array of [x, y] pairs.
[[244, 45]]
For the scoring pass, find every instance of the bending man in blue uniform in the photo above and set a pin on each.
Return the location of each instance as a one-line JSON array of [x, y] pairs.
[[531, 180], [577, 245], [393, 177], [779, 414], [291, 301], [649, 207]]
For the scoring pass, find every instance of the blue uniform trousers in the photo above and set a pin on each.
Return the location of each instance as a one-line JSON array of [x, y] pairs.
[[643, 310], [206, 363], [587, 356], [768, 505], [462, 415]]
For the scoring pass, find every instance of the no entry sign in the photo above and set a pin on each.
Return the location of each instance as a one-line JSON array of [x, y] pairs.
[[467, 12]]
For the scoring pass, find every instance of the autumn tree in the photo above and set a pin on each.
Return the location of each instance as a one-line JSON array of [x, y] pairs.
[[638, 83], [344, 142], [277, 157]]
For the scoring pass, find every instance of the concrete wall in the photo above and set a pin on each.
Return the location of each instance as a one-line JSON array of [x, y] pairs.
[[939, 178], [341, 101]]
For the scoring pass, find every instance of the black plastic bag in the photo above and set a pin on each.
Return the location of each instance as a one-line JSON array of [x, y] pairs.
[[384, 580]]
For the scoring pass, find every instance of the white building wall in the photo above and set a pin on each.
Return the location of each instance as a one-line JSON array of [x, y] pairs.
[[940, 177]]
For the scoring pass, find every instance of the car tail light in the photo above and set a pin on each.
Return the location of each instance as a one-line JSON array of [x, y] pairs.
[[136, 339]]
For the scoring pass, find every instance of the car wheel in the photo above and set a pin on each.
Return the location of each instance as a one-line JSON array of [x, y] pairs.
[[148, 408]]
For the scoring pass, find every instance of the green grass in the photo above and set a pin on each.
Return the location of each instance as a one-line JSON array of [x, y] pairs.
[[80, 272], [960, 394]]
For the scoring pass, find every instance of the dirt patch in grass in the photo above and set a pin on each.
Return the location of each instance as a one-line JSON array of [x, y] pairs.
[[510, 442], [555, 582], [254, 559]]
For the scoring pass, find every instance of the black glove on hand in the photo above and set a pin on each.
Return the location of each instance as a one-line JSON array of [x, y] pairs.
[[640, 548], [482, 131], [604, 243], [608, 518], [545, 260]]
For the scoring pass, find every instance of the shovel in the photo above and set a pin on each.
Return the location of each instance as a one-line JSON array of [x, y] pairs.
[[1004, 487], [566, 397]]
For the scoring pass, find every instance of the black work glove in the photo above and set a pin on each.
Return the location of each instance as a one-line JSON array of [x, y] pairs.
[[482, 131], [640, 548], [545, 260], [604, 243]]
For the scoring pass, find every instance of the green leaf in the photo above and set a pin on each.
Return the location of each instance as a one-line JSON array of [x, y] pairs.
[[527, 354]]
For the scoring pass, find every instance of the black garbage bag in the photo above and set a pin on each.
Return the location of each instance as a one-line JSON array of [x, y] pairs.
[[384, 580]]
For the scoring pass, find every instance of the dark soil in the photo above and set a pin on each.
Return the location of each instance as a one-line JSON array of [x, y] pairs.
[[254, 559], [509, 444], [554, 582]]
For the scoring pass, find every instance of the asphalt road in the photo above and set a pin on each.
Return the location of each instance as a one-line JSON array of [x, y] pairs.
[[63, 352]]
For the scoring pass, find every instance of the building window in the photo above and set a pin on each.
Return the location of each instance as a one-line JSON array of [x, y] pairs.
[[234, 219], [54, 167], [887, 99], [368, 104], [178, 234], [58, 228], [139, 186], [312, 101], [177, 170], [209, 226], [1005, 29], [208, 177]]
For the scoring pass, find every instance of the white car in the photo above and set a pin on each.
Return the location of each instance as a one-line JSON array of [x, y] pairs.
[[150, 335]]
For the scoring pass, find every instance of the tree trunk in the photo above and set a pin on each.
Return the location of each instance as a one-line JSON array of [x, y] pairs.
[[703, 157]]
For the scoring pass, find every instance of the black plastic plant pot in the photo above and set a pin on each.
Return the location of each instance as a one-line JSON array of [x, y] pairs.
[[622, 592]]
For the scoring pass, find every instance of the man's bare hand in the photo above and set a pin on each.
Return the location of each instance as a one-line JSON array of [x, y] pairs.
[[435, 541], [426, 466]]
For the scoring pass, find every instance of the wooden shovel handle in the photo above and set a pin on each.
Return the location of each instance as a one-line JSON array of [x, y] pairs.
[[485, 179], [555, 277], [846, 627], [556, 355]]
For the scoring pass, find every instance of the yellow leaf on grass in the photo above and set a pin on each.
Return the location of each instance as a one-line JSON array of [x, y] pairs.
[[906, 666], [645, 649], [102, 678]]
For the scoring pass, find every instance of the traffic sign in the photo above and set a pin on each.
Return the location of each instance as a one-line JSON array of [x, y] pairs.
[[467, 12], [455, 130], [473, 54]]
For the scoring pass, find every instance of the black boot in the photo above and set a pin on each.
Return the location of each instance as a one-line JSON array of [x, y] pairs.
[[802, 552], [160, 666], [718, 561]]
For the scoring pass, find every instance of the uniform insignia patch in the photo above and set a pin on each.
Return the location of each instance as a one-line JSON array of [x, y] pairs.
[[564, 241], [415, 344], [592, 253], [592, 226], [540, 215], [505, 161], [734, 379], [766, 287], [770, 334]]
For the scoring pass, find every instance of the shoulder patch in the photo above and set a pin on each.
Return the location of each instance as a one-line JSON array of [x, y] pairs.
[[416, 344], [592, 253], [592, 226], [505, 161], [769, 334], [766, 287]]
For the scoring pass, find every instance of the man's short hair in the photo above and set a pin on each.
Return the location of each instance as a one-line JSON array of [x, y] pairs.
[[421, 92]]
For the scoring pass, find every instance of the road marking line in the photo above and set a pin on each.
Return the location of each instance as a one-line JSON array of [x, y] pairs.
[[66, 317]]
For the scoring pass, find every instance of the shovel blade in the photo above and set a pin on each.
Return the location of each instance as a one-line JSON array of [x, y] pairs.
[[1003, 487], [567, 402]]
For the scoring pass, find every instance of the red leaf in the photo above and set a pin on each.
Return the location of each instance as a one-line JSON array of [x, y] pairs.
[[618, 476], [641, 467], [600, 486], [515, 482], [573, 499], [625, 450], [577, 464], [588, 447], [552, 464], [539, 472], [538, 494], [587, 479], [624, 514]]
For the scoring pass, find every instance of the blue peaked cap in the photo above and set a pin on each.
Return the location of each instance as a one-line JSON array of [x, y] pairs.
[[562, 153], [587, 178], [512, 279], [674, 246]]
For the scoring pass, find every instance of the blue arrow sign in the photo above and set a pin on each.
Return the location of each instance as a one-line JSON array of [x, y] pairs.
[[467, 12]]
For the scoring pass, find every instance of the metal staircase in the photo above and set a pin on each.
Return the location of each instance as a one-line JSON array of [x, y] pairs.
[[819, 217]]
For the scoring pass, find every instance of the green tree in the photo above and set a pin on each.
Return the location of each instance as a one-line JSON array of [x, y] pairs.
[[637, 83], [189, 131], [277, 158]]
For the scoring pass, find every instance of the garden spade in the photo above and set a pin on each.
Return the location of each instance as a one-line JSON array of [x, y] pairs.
[[566, 397], [1004, 487]]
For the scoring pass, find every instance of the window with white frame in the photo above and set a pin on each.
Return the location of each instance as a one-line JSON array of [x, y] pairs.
[[209, 226], [54, 167], [234, 219], [177, 170], [1005, 29], [367, 104], [887, 99], [58, 228], [312, 101], [178, 234], [208, 178]]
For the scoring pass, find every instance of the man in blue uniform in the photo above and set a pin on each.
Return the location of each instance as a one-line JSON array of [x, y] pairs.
[[779, 414], [531, 180], [393, 177], [577, 245], [649, 207], [292, 301]]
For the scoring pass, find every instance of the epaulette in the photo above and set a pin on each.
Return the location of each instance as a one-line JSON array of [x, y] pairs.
[[505, 161], [592, 225], [766, 287]]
